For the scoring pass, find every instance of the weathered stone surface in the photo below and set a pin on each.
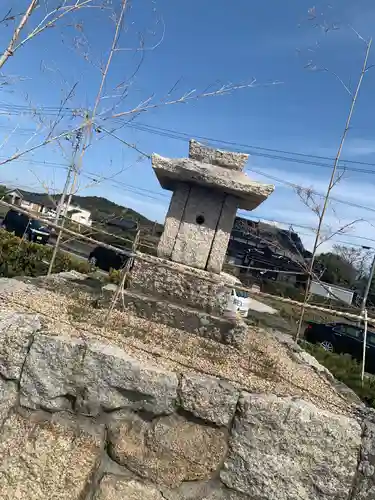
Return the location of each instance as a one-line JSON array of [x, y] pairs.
[[8, 398], [117, 488], [238, 334], [226, 159], [221, 239], [283, 449], [62, 373], [172, 221], [194, 239], [47, 459], [168, 450], [177, 316], [202, 490], [51, 375], [16, 334], [9, 285], [198, 289], [250, 194], [365, 482], [114, 380], [365, 490], [209, 398], [71, 275]]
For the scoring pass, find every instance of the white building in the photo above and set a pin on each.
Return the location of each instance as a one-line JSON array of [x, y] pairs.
[[332, 292], [78, 214], [31, 202]]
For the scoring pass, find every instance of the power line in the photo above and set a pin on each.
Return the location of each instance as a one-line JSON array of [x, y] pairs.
[[245, 148], [42, 163], [291, 184], [282, 181], [146, 193], [184, 136], [316, 193], [249, 149]]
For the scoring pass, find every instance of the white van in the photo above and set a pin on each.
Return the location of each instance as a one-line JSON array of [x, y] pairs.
[[238, 303]]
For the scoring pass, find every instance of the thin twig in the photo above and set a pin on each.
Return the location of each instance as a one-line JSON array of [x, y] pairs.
[[9, 51], [190, 96], [330, 185]]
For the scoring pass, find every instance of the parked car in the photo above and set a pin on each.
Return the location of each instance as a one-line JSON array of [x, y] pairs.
[[343, 338], [24, 227], [106, 259], [239, 302]]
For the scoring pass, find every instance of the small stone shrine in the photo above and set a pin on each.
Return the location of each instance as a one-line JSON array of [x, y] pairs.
[[208, 188], [184, 287]]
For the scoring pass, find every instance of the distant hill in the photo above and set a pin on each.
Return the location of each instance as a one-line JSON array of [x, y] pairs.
[[101, 209]]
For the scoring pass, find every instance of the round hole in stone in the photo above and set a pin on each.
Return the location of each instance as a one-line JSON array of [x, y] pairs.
[[199, 219]]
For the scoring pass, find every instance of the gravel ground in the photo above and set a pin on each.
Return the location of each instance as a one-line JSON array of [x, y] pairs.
[[265, 365]]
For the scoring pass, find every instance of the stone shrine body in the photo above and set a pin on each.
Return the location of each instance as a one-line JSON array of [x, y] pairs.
[[208, 188]]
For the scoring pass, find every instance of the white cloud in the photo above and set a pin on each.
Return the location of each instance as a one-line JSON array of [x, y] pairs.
[[285, 205], [359, 147]]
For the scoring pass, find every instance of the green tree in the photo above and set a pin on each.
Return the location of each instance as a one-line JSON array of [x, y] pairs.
[[336, 269]]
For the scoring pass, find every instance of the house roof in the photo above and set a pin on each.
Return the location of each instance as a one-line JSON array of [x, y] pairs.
[[17, 192], [282, 241], [38, 198]]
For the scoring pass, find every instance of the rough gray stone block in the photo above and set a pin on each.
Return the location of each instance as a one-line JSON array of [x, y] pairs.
[[118, 488], [61, 373], [16, 334], [11, 285], [51, 374], [44, 458], [8, 398], [193, 241], [221, 239], [171, 172], [226, 159], [209, 398], [202, 490], [238, 334], [115, 380], [188, 320], [173, 221], [285, 449], [198, 289], [365, 482], [168, 450]]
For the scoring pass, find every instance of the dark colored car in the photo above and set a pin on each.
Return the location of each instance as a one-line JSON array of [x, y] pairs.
[[24, 227], [343, 338], [107, 259]]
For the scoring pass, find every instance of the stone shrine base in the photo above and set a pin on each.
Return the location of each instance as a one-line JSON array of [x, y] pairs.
[[181, 297], [224, 330], [183, 285]]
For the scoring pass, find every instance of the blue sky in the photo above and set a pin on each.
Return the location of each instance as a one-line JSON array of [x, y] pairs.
[[200, 45]]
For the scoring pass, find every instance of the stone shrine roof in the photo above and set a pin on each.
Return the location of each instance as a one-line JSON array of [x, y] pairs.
[[172, 172]]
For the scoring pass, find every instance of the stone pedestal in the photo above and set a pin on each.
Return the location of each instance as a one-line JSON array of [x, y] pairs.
[[193, 302], [182, 285]]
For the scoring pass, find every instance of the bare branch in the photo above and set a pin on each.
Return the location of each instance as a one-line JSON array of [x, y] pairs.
[[9, 51], [190, 96], [111, 53], [341, 230], [142, 48], [331, 182]]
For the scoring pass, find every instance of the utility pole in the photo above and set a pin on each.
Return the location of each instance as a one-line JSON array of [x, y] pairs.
[[64, 194], [73, 168]]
